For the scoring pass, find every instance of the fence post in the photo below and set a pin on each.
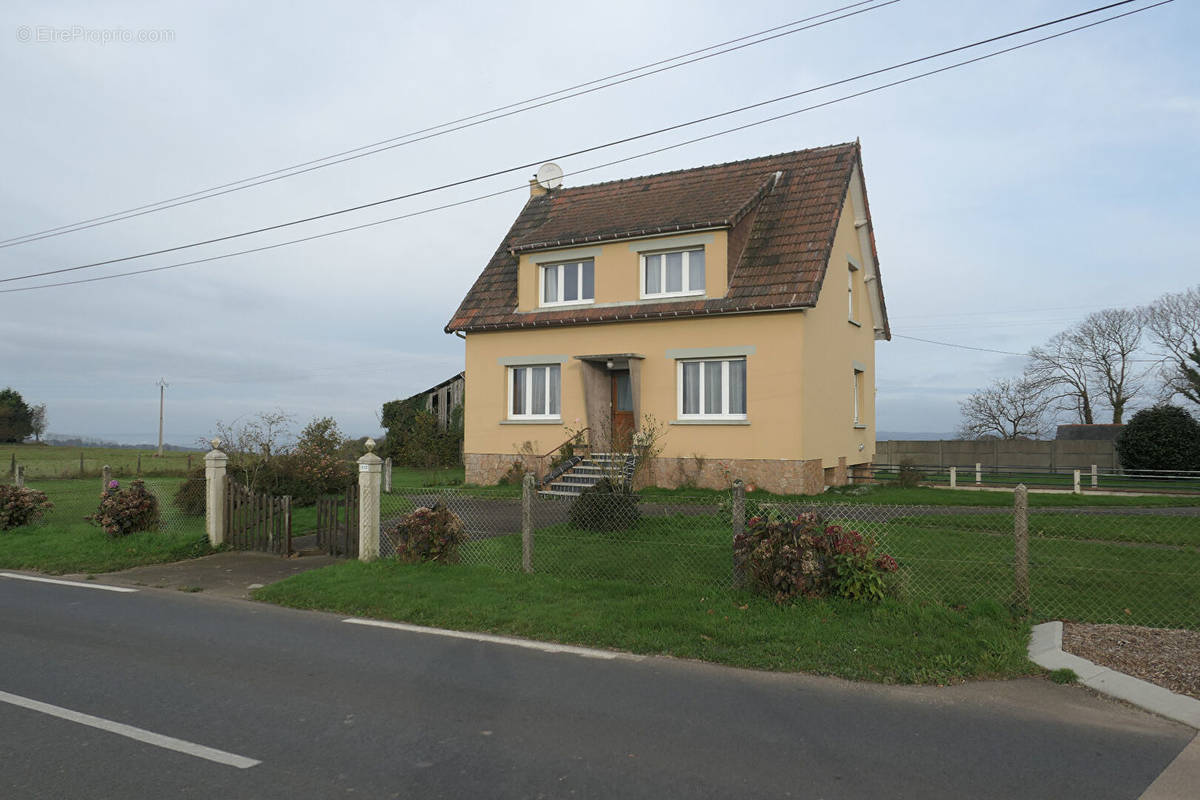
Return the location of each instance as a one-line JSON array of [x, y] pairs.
[[139, 466], [528, 486], [978, 473], [369, 468], [953, 477], [387, 475], [1075, 483], [19, 477], [1021, 546], [81, 463], [739, 527], [105, 477], [1095, 477], [12, 467], [215, 463]]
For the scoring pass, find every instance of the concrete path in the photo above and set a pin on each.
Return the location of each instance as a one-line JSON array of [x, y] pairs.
[[233, 574]]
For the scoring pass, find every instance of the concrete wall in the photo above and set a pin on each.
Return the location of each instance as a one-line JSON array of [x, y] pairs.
[[1057, 454]]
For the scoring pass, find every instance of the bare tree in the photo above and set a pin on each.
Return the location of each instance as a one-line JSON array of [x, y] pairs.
[[1060, 370], [251, 444], [1009, 408], [37, 420], [1110, 340], [1173, 324]]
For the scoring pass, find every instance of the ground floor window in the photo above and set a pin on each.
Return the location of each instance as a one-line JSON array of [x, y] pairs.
[[535, 392], [712, 389]]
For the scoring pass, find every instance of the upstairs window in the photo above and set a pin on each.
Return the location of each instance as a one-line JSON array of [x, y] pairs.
[[569, 283], [673, 274], [712, 389], [535, 392]]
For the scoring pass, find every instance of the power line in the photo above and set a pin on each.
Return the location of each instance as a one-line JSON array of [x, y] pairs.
[[724, 132], [637, 137], [501, 112], [959, 346]]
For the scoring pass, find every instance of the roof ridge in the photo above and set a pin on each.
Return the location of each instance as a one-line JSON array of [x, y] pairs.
[[581, 187]]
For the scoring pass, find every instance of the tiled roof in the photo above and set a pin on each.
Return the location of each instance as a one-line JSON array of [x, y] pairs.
[[796, 199]]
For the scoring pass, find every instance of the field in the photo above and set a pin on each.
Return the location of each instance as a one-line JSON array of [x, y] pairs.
[[46, 461]]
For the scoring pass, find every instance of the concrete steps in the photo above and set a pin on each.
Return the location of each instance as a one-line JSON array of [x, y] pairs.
[[588, 472]]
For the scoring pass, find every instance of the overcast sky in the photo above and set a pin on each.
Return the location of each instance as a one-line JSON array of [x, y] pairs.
[[1010, 197]]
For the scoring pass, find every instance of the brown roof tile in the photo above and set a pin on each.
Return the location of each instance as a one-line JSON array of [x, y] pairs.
[[781, 266]]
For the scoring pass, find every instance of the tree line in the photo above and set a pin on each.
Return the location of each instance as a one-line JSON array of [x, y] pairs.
[[1097, 371], [18, 419]]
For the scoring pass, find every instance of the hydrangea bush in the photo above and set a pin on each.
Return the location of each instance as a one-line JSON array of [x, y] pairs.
[[21, 506], [801, 557], [125, 511], [427, 534]]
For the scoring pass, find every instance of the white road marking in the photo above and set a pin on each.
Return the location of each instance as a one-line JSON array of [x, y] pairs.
[[79, 584], [545, 647], [156, 739]]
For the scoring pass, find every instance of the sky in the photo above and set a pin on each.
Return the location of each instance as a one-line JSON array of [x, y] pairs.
[[1010, 197]]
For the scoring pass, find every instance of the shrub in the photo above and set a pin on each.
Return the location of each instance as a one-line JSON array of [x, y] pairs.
[[126, 511], [787, 559], [1163, 437], [909, 476], [191, 496], [21, 506], [607, 506], [427, 534]]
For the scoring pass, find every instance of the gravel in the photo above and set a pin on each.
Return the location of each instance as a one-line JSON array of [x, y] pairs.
[[1168, 658]]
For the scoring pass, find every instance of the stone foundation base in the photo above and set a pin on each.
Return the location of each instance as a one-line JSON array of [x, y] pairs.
[[781, 476]]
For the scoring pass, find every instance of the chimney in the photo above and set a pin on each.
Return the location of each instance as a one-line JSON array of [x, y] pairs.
[[535, 188]]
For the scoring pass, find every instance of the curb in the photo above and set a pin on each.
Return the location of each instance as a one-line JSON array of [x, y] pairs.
[[1045, 650]]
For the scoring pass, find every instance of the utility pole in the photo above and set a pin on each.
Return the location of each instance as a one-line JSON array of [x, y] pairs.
[[162, 393]]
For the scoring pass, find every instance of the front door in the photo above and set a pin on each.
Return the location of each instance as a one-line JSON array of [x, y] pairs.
[[622, 411]]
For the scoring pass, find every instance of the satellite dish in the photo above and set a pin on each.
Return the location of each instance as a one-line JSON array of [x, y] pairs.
[[549, 175]]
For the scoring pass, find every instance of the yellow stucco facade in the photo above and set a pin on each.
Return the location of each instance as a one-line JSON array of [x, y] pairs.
[[809, 372]]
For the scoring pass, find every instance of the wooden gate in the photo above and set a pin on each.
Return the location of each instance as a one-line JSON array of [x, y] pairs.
[[255, 521], [337, 523]]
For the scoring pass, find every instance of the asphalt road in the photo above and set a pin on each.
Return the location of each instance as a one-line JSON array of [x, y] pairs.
[[331, 709]]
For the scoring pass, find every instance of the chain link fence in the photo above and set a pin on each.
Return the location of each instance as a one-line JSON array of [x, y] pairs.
[[1127, 565], [75, 499]]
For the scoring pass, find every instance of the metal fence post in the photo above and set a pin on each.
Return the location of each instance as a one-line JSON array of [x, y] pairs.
[[1075, 483], [215, 463], [369, 468], [528, 486], [1095, 477], [953, 477], [105, 477], [387, 475], [739, 527], [1021, 547]]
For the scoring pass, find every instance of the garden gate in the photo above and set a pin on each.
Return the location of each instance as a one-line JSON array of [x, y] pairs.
[[256, 521], [337, 523]]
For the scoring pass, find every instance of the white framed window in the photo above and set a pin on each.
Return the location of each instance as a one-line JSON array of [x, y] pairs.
[[712, 388], [852, 311], [568, 283], [857, 396], [535, 392], [671, 274]]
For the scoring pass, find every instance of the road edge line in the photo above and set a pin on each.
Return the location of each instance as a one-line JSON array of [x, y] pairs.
[[490, 638]]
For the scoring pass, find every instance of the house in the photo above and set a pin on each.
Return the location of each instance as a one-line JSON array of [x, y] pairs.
[[736, 304]]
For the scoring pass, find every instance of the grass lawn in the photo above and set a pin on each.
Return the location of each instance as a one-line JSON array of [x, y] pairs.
[[892, 643], [63, 542], [884, 494], [48, 461]]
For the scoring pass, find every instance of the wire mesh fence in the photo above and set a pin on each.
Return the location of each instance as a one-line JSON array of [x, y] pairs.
[[1112, 564], [1091, 478], [77, 498]]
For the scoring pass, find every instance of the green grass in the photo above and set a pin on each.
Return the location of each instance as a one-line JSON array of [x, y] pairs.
[[47, 461], [63, 542], [892, 643]]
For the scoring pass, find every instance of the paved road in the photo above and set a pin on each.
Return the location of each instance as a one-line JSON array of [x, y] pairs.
[[333, 709]]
